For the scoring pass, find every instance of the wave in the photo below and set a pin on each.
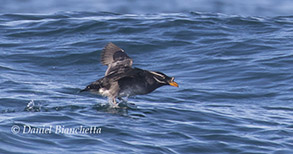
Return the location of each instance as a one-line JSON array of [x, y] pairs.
[[234, 73]]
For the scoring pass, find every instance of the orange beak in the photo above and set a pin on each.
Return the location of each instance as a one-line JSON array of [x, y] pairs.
[[173, 83]]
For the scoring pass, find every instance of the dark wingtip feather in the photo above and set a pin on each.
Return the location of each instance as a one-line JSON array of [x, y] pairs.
[[108, 52], [85, 89]]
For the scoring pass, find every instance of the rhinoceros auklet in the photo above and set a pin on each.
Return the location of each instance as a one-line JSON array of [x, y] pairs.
[[122, 80]]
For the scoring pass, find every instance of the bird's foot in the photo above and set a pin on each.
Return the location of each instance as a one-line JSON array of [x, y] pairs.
[[113, 103], [115, 106]]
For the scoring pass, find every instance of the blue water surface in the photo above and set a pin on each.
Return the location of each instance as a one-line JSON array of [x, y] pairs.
[[235, 77]]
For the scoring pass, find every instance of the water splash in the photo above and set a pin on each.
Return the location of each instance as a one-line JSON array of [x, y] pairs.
[[31, 106]]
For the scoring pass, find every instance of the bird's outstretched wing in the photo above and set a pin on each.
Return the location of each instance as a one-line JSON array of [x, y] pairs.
[[115, 58]]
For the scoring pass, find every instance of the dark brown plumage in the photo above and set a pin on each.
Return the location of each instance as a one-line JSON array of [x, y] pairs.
[[121, 80]]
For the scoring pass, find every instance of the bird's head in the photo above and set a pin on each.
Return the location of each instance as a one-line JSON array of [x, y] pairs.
[[164, 79]]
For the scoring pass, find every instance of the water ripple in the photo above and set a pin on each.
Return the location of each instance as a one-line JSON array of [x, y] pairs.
[[234, 74]]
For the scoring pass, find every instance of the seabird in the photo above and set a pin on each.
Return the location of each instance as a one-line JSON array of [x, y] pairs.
[[122, 80]]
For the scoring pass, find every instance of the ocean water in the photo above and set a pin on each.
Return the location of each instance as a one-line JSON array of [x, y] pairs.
[[234, 72], [237, 7]]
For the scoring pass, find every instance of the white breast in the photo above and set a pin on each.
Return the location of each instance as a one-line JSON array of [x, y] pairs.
[[104, 92]]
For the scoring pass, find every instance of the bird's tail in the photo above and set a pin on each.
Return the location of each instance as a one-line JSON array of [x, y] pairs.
[[85, 89]]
